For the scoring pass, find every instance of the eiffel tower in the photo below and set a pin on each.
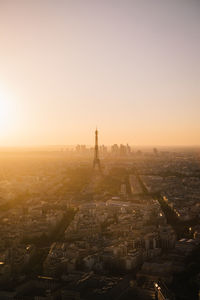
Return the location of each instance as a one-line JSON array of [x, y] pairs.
[[96, 162]]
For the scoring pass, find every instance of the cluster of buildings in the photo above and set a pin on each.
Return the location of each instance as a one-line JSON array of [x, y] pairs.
[[182, 195], [33, 202], [20, 228], [116, 243], [178, 183], [104, 151], [112, 235]]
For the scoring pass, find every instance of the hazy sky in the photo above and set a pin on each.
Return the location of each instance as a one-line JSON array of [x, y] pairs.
[[131, 67]]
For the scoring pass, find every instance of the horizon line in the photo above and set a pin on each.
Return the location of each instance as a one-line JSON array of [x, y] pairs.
[[90, 145]]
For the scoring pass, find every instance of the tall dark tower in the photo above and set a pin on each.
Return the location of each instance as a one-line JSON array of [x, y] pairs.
[[96, 163]]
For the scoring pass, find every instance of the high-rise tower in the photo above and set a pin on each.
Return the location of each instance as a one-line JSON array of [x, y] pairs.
[[96, 162]]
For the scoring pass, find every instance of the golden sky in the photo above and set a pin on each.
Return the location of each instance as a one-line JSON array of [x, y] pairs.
[[131, 67]]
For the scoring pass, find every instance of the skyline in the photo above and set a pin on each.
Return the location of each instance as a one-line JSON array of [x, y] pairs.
[[130, 67]]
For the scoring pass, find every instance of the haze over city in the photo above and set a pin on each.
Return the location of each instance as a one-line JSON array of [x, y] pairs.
[[99, 149], [130, 67]]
